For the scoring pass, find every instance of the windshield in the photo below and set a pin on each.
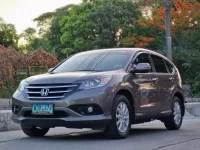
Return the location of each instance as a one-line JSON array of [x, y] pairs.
[[94, 62]]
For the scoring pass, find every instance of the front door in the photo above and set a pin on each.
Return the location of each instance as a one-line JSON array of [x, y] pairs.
[[145, 85]]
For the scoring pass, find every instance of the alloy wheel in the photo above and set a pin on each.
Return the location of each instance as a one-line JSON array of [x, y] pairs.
[[122, 117]]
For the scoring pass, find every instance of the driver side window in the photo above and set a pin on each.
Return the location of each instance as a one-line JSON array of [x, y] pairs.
[[142, 58]]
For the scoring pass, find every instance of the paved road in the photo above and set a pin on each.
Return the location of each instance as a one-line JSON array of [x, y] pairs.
[[150, 136]]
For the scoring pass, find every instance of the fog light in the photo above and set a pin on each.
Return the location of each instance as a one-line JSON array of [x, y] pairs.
[[90, 109], [16, 109]]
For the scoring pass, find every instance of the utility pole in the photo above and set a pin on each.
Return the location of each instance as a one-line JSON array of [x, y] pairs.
[[168, 37]]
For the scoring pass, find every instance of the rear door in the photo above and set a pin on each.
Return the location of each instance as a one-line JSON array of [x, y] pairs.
[[166, 105], [164, 82]]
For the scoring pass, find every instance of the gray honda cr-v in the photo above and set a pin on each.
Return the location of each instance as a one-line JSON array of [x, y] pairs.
[[108, 89]]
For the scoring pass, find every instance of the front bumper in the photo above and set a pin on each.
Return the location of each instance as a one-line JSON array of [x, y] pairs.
[[73, 119], [93, 122]]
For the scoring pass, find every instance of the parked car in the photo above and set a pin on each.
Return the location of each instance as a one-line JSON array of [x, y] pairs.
[[108, 89]]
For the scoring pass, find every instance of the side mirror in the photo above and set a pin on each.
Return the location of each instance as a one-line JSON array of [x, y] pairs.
[[50, 70], [141, 68]]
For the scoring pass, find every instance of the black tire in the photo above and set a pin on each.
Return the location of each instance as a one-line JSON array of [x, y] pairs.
[[35, 132], [170, 122], [112, 130]]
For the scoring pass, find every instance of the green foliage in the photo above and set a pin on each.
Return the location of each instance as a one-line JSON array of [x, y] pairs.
[[196, 86], [44, 22], [187, 40], [7, 93], [37, 43], [98, 24], [8, 34], [29, 34], [50, 31], [188, 63], [89, 25], [77, 30]]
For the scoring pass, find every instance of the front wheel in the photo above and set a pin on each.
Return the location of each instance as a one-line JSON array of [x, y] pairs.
[[35, 132], [174, 121], [121, 119]]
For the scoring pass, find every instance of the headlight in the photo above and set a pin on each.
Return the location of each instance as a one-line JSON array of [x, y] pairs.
[[22, 85], [94, 83]]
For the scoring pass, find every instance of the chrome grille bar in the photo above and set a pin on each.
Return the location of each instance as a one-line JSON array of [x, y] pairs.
[[50, 87], [51, 92], [49, 97]]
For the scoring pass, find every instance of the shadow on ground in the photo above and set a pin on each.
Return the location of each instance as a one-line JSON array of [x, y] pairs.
[[99, 135]]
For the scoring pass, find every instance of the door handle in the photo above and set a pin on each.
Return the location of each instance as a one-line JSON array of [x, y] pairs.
[[155, 79], [171, 79]]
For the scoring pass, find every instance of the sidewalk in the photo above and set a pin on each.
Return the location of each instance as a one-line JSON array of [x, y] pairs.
[[6, 123], [5, 104]]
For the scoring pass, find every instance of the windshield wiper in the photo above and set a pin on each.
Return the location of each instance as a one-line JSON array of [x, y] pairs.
[[88, 70]]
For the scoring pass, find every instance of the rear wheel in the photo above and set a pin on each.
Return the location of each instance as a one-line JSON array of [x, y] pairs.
[[174, 121], [35, 132], [121, 119]]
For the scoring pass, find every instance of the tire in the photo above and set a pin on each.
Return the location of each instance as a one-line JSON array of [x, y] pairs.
[[35, 132], [113, 130], [171, 123]]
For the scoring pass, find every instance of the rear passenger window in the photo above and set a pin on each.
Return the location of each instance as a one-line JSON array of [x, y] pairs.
[[169, 66], [159, 64]]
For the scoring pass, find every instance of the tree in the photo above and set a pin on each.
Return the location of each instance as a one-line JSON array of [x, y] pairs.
[[54, 33], [50, 31], [29, 34], [44, 22], [184, 17], [8, 34], [98, 24], [138, 41], [89, 25]]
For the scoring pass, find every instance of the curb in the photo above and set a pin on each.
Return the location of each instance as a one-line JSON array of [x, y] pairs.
[[192, 100], [193, 108], [6, 123]]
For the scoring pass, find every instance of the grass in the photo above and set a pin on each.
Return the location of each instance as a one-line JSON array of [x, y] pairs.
[[6, 93]]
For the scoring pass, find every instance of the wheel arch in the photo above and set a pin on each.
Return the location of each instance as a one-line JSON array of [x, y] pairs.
[[127, 94], [182, 99]]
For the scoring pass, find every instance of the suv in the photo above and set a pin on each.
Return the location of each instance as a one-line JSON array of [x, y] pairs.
[[108, 89]]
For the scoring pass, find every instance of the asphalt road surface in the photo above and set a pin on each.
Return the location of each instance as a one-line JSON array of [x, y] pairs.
[[149, 136]]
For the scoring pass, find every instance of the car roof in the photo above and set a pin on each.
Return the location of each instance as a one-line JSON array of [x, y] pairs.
[[131, 50]]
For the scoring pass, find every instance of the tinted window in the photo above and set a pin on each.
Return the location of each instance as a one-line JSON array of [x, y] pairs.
[[94, 62], [159, 64], [169, 66], [142, 58]]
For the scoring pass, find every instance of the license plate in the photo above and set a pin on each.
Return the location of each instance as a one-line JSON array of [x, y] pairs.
[[42, 109]]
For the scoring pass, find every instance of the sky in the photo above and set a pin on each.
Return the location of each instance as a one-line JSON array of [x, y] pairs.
[[22, 12]]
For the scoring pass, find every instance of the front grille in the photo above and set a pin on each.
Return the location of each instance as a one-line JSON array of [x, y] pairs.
[[56, 114], [55, 91]]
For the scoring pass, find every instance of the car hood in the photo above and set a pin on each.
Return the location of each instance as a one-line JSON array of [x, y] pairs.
[[60, 78]]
